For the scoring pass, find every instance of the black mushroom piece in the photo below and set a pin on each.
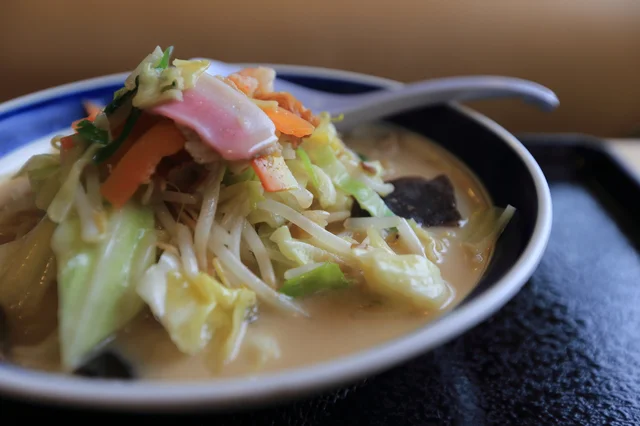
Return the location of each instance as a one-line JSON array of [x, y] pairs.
[[428, 202], [107, 365]]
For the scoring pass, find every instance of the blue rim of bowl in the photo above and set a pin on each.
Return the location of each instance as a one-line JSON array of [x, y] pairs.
[[222, 393]]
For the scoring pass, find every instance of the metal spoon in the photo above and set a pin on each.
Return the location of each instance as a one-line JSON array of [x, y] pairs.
[[365, 107]]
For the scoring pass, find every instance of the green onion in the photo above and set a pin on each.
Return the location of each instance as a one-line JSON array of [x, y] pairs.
[[119, 101], [120, 97], [111, 148], [88, 131], [164, 62]]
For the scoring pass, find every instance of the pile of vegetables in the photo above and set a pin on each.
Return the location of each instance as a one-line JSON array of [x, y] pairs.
[[203, 198]]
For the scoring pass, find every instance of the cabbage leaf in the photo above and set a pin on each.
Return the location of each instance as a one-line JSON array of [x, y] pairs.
[[196, 310]]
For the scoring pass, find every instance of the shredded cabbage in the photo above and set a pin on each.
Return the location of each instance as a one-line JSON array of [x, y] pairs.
[[484, 227], [63, 201], [96, 281], [325, 159], [406, 279], [156, 84], [326, 276], [196, 310], [28, 269], [300, 252]]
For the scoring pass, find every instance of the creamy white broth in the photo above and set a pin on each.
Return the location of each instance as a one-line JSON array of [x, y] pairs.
[[341, 322]]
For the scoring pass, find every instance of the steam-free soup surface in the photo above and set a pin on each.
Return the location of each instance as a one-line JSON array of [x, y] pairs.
[[341, 322]]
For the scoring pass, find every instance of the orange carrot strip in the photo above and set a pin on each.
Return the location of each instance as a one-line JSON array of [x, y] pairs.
[[66, 142], [92, 110], [140, 161], [289, 123], [289, 102], [274, 174], [144, 123]]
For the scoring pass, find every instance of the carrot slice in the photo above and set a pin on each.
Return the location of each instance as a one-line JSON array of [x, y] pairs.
[[66, 142], [289, 123], [92, 110], [274, 174], [144, 123], [289, 102], [140, 161]]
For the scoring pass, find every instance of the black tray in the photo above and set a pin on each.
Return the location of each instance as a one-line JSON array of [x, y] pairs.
[[564, 351]]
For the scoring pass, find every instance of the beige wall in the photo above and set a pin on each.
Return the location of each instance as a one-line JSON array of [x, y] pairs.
[[587, 51]]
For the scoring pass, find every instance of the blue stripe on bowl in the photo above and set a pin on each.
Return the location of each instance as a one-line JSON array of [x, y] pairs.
[[29, 122]]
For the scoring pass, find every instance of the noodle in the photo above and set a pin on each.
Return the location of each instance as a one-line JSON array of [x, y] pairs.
[[232, 210], [148, 193], [178, 197], [361, 223], [410, 238], [276, 256], [185, 244], [338, 216], [236, 234], [325, 238], [292, 273], [244, 274], [258, 249], [166, 220], [207, 214], [381, 188]]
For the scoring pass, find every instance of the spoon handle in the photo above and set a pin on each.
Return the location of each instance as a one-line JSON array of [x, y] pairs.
[[371, 106]]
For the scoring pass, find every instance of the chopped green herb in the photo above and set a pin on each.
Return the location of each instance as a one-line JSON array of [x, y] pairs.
[[164, 62], [111, 148], [88, 131], [362, 157], [121, 96], [119, 101]]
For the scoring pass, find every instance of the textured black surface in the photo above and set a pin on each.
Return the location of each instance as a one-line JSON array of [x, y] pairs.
[[564, 351], [428, 202]]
